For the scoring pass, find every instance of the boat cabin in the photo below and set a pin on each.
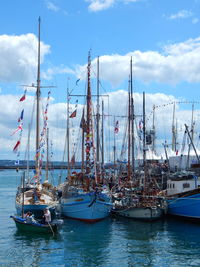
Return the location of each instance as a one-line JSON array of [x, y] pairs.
[[182, 182]]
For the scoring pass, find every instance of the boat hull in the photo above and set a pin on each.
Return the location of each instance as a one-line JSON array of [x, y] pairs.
[[22, 225], [86, 207], [141, 213], [188, 207]]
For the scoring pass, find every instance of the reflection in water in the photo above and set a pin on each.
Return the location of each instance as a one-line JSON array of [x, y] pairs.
[[116, 242], [86, 244]]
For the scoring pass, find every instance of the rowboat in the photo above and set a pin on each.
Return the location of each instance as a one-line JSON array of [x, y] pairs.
[[37, 227]]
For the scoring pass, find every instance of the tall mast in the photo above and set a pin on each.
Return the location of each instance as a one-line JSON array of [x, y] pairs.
[[153, 145], [173, 130], [38, 105], [132, 120], [98, 119], [47, 159], [129, 133], [144, 142], [186, 128], [192, 136], [68, 156], [114, 148], [83, 131], [102, 139], [28, 153], [88, 121]]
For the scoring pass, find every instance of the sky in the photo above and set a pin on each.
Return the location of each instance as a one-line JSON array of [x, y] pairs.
[[162, 37]]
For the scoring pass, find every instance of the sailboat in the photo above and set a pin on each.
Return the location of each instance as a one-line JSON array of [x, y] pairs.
[[136, 199], [83, 198], [183, 188], [37, 196]]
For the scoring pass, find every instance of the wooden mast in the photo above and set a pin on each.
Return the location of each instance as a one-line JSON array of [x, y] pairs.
[[38, 107], [102, 140], [173, 130], [129, 133], [47, 158], [88, 122], [192, 136], [132, 119], [186, 128], [68, 156], [144, 143], [98, 119], [82, 145], [153, 128]]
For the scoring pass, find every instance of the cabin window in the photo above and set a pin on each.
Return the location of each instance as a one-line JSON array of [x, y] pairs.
[[173, 185], [186, 185]]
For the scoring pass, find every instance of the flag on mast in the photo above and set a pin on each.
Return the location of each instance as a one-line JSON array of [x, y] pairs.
[[116, 127], [23, 97], [73, 115]]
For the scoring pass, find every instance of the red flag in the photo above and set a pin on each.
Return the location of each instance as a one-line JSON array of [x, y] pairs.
[[23, 98], [18, 128], [16, 146], [73, 115], [117, 127]]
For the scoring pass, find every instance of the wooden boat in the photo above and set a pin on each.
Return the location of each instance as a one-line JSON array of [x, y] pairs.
[[138, 194], [36, 227], [33, 194], [83, 197], [145, 208]]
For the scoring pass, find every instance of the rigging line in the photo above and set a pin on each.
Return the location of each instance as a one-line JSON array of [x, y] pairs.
[[171, 103], [31, 124], [109, 141]]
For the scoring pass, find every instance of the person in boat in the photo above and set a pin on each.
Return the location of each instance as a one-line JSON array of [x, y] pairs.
[[29, 217], [47, 216]]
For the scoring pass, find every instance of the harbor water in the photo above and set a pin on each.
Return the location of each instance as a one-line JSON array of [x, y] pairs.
[[110, 242]]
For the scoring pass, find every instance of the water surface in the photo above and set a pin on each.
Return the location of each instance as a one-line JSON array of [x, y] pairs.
[[111, 242]]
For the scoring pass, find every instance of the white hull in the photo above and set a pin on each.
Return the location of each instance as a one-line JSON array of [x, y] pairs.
[[141, 213]]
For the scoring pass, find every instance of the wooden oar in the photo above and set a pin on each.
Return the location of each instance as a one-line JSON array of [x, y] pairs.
[[51, 228]]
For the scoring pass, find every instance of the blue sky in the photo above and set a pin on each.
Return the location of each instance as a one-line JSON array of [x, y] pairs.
[[162, 37]]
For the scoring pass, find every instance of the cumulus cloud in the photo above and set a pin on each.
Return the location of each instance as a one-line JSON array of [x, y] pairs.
[[195, 20], [51, 6], [19, 57], [182, 14], [98, 5], [57, 115], [176, 63]]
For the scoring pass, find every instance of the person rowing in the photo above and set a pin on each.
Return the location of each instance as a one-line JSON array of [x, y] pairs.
[[47, 216]]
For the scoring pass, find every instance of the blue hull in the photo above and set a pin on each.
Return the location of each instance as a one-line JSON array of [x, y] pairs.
[[86, 207], [188, 206]]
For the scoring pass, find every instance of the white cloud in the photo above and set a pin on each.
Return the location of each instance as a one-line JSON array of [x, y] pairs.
[[182, 14], [19, 57], [57, 114], [98, 5], [176, 63], [51, 6], [195, 20]]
